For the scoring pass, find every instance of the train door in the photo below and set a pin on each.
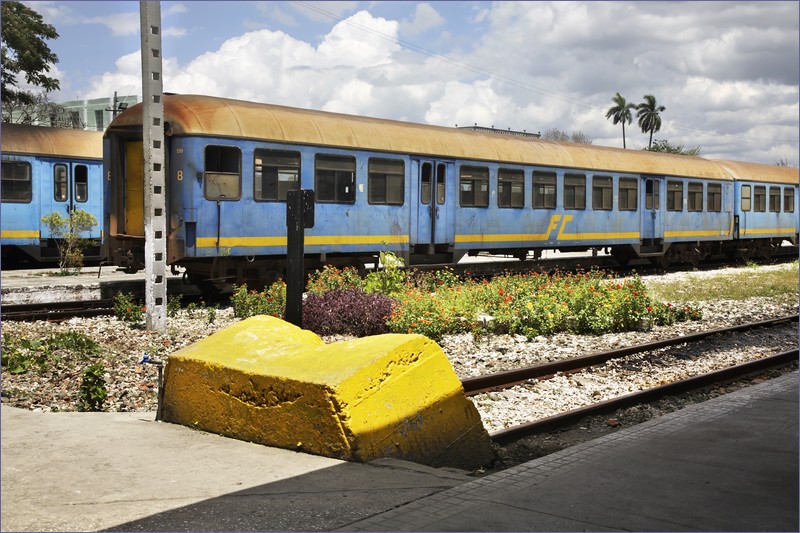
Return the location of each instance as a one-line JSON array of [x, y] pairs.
[[652, 223], [433, 220], [134, 188], [75, 186]]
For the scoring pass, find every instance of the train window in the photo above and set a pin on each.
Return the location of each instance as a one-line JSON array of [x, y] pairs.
[[695, 196], [425, 183], [15, 185], [674, 196], [441, 173], [386, 181], [574, 191], [759, 198], [544, 190], [628, 193], [81, 183], [223, 176], [60, 182], [474, 184], [746, 198], [652, 195], [602, 193], [788, 200], [510, 188], [275, 173], [335, 179], [714, 197], [775, 199]]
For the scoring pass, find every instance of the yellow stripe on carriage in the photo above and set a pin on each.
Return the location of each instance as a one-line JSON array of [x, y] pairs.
[[19, 234], [697, 233], [310, 240], [768, 231], [523, 237]]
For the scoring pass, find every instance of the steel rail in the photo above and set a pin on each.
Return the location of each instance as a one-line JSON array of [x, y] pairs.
[[507, 435], [509, 378]]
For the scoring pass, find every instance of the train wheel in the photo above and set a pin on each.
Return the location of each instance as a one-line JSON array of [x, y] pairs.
[[662, 261]]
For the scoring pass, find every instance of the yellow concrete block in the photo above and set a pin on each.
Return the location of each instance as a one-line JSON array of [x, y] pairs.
[[267, 381]]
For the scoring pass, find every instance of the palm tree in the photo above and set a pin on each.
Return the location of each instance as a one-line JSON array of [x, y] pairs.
[[649, 120], [621, 112]]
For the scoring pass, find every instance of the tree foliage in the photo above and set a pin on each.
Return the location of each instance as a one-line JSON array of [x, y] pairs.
[[41, 110], [577, 137], [648, 113], [621, 111], [665, 147], [69, 240], [784, 162], [24, 50]]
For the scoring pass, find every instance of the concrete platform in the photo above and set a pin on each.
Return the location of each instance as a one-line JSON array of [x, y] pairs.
[[93, 283], [729, 464]]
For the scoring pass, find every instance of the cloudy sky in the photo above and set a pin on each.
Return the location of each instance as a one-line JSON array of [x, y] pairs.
[[727, 72]]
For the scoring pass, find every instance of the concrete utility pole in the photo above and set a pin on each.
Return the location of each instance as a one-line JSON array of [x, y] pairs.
[[155, 263]]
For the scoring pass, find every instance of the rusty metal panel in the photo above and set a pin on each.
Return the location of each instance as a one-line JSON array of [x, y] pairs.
[[40, 140], [760, 172], [204, 115]]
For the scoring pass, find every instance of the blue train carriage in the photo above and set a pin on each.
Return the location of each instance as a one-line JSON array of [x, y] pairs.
[[573, 197], [46, 170], [229, 167], [765, 203]]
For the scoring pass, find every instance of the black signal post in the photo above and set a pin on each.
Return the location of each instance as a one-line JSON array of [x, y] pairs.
[[299, 216]]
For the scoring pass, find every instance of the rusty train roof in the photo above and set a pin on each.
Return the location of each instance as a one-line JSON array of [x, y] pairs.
[[212, 116], [759, 172], [56, 142]]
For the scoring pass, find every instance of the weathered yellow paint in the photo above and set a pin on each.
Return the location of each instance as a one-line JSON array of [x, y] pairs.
[[19, 234], [768, 231], [41, 140], [230, 242], [134, 188], [267, 381]]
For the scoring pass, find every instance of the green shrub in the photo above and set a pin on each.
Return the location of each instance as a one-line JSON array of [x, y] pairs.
[[271, 301], [389, 279], [332, 278], [93, 393], [127, 308]]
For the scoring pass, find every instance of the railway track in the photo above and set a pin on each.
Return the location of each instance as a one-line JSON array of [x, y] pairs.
[[506, 380], [56, 311]]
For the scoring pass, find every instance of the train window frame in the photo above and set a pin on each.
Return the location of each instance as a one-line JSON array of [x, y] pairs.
[[628, 194], [694, 197], [441, 184], [386, 181], [545, 190], [335, 179], [473, 186], [16, 194], [509, 179], [714, 197], [746, 198], [281, 165], [425, 181], [573, 184], [60, 182], [602, 193], [81, 183], [788, 199], [674, 195], [774, 199], [760, 198], [222, 174]]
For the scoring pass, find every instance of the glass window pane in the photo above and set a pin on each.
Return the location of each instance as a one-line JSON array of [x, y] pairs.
[[60, 182], [15, 185], [81, 183], [334, 179], [223, 178], [275, 173]]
